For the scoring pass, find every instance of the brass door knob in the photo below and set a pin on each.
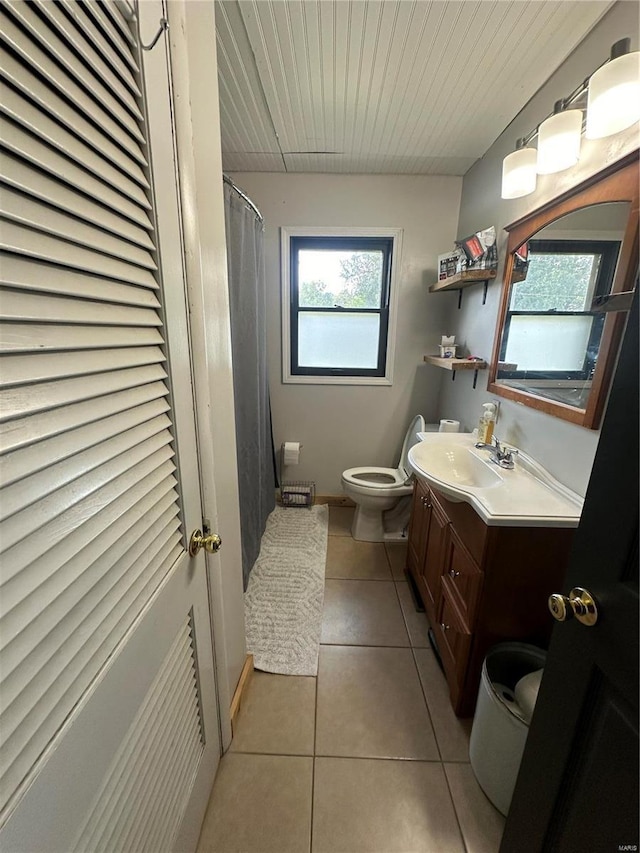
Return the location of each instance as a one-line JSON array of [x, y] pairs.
[[580, 604], [210, 543]]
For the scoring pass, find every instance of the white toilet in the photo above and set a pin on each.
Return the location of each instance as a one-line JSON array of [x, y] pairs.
[[383, 495]]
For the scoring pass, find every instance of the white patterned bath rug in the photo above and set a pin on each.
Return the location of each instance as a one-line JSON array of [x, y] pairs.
[[285, 594]]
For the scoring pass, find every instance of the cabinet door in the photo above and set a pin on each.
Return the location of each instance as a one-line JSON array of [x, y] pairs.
[[462, 577], [434, 556], [454, 641], [418, 529]]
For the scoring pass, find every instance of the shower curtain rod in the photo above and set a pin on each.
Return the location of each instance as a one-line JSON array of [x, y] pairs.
[[228, 180]]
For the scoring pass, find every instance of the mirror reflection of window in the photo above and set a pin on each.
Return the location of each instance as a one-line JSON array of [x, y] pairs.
[[551, 352], [550, 329], [551, 338]]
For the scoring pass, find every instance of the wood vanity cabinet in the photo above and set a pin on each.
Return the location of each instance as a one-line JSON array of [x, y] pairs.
[[481, 585]]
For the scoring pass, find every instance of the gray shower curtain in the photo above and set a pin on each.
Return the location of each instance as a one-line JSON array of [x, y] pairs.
[[247, 297]]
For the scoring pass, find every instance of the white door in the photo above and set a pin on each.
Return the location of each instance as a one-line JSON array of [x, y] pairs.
[[109, 726]]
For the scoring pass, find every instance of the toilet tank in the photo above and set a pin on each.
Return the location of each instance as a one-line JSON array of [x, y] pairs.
[[417, 425]]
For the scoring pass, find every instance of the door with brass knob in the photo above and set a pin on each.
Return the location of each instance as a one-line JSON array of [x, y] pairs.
[[579, 604], [211, 543], [578, 785]]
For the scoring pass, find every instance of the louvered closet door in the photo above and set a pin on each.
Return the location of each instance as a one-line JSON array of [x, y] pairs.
[[107, 699]]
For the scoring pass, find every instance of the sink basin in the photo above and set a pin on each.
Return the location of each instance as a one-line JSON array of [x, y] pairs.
[[457, 464], [526, 495]]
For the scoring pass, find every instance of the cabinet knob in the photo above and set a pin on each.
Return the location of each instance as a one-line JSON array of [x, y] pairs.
[[444, 627], [453, 573]]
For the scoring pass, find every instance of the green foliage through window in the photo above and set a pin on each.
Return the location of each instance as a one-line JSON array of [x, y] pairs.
[[360, 285], [556, 281]]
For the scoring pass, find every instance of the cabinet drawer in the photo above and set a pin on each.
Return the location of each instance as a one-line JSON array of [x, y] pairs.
[[467, 523], [462, 577], [454, 642]]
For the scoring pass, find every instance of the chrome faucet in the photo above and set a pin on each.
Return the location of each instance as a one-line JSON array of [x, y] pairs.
[[502, 456]]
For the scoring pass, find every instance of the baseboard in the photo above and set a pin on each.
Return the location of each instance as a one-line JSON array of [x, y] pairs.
[[334, 500], [243, 683]]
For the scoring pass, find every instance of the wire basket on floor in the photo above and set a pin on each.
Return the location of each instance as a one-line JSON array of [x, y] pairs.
[[298, 494]]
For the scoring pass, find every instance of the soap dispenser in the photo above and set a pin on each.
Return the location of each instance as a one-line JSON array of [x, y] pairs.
[[487, 423]]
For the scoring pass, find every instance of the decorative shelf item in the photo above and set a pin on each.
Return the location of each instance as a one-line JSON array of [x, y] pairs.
[[463, 279], [455, 364]]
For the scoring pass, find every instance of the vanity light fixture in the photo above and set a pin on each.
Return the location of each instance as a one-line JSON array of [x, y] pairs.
[[614, 93], [519, 171], [613, 105], [559, 140]]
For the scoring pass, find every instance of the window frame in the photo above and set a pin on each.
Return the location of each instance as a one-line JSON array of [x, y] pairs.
[[383, 373], [609, 252]]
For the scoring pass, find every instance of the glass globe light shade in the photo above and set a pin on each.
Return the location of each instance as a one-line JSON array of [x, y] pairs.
[[614, 96], [519, 173], [559, 142]]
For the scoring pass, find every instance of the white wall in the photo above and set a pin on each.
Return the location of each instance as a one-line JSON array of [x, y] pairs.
[[566, 450], [344, 426]]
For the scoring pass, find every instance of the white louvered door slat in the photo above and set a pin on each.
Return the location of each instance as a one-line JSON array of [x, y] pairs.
[[55, 76], [30, 275], [29, 652], [62, 50], [15, 173], [30, 148], [56, 115], [124, 536], [22, 369], [23, 462], [16, 238], [20, 495], [73, 497], [117, 17], [95, 37], [50, 395], [24, 306], [119, 37], [28, 432], [51, 220], [76, 38], [100, 603]]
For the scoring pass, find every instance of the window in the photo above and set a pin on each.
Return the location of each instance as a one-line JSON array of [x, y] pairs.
[[338, 298], [550, 332]]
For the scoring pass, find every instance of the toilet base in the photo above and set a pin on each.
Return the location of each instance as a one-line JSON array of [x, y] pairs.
[[396, 536], [372, 525], [367, 525]]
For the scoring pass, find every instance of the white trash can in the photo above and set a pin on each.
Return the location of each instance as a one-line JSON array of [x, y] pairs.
[[500, 724]]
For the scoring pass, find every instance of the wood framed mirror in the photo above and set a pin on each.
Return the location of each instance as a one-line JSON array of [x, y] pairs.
[[552, 350]]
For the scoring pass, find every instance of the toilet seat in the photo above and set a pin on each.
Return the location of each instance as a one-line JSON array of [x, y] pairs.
[[386, 482], [390, 480]]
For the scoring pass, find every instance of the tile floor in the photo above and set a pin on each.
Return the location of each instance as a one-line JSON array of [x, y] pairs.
[[366, 758]]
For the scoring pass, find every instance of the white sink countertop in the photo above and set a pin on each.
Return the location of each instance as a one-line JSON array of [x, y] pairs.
[[525, 496]]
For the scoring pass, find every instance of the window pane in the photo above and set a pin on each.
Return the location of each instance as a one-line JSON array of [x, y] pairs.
[[330, 278], [338, 340], [559, 281], [548, 343]]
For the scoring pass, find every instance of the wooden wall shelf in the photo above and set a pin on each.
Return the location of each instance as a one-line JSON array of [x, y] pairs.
[[463, 279], [455, 364]]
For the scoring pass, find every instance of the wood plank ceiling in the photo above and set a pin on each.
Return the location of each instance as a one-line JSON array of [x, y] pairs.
[[383, 86]]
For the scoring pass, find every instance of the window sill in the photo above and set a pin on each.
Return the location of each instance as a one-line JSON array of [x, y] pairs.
[[336, 380]]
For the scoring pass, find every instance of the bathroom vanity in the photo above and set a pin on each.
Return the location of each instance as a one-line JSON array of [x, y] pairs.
[[483, 580]]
